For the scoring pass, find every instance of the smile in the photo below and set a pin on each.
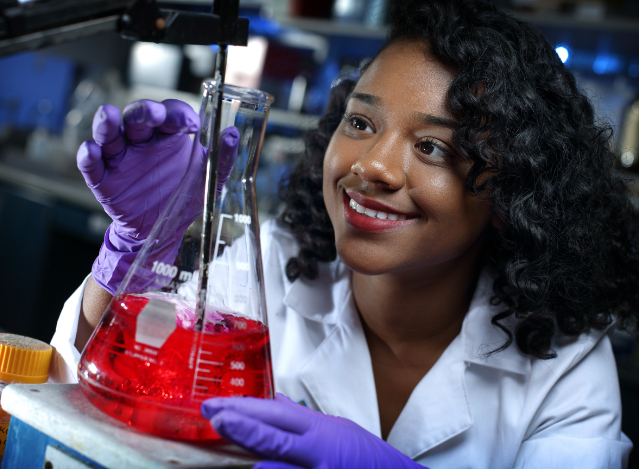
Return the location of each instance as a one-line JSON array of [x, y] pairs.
[[372, 220], [369, 212]]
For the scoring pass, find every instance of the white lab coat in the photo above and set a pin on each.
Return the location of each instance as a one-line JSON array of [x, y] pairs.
[[469, 411]]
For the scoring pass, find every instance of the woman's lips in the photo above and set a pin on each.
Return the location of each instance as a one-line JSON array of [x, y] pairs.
[[369, 212], [377, 206], [371, 217]]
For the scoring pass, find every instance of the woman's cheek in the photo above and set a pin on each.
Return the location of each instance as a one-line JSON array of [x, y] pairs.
[[336, 165], [329, 180], [334, 158], [436, 191]]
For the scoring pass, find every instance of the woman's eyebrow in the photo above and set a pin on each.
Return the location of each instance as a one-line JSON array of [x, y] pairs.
[[366, 98], [421, 117], [429, 119]]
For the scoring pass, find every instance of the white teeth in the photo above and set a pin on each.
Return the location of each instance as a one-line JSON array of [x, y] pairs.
[[374, 213]]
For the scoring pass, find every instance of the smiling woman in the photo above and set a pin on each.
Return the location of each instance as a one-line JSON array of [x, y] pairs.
[[465, 152], [392, 153], [442, 282]]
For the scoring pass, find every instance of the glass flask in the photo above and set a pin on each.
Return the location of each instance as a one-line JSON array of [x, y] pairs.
[[149, 362]]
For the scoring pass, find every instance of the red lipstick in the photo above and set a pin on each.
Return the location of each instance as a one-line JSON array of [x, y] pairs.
[[366, 223], [374, 205]]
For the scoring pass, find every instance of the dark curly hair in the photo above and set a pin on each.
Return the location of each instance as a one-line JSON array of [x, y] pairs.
[[566, 257]]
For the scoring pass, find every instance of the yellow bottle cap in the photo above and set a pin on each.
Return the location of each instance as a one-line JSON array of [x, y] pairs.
[[23, 359]]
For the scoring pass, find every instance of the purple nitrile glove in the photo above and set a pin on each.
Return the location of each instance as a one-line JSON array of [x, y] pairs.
[[298, 437], [133, 169]]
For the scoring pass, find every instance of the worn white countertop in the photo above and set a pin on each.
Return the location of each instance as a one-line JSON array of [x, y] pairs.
[[62, 412]]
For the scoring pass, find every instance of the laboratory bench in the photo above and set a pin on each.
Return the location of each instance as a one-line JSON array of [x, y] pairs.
[[56, 427]]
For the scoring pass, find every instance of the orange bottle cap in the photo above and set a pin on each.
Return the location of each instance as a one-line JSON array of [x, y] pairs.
[[23, 359]]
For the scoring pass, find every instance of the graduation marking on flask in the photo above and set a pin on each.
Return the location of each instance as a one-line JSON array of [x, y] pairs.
[[164, 269]]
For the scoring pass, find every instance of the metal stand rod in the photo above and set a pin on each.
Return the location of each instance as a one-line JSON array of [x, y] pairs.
[[210, 190]]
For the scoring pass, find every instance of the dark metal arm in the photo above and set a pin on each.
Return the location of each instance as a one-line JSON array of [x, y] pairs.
[[39, 24]]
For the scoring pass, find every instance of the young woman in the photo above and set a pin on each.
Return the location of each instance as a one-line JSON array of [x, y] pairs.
[[454, 251]]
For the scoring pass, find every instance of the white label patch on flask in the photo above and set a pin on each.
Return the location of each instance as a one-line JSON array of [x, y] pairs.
[[155, 323]]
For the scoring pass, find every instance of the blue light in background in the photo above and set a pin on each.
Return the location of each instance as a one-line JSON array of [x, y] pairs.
[[600, 64], [633, 69], [563, 52], [606, 63], [260, 19], [263, 26]]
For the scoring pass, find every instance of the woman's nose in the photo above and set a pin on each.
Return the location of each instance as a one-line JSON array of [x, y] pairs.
[[382, 163]]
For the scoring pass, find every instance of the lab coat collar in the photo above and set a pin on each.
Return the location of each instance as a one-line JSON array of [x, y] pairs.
[[436, 411], [342, 361], [480, 337], [316, 300], [438, 407]]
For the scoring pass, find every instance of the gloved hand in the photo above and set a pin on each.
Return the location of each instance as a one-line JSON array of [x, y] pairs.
[[298, 437], [133, 170]]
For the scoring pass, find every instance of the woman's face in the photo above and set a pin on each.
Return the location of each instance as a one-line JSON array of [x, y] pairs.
[[391, 159]]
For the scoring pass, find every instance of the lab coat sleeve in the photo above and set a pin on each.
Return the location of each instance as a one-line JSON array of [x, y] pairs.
[[578, 424], [65, 357]]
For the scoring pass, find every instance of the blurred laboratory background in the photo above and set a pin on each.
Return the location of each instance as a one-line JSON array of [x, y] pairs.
[[51, 227]]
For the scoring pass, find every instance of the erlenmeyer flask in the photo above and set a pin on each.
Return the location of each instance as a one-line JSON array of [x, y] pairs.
[[147, 364]]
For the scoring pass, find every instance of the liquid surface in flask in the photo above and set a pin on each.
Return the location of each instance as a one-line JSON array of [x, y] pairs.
[[159, 390]]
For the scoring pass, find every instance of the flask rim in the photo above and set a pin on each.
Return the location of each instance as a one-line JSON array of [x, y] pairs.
[[248, 95]]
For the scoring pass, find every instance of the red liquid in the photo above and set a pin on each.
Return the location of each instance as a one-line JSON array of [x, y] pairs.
[[159, 391]]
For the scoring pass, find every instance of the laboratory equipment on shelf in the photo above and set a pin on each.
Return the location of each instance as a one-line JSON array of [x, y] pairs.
[[189, 319]]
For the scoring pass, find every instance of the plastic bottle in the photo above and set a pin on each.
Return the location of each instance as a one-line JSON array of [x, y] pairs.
[[22, 360]]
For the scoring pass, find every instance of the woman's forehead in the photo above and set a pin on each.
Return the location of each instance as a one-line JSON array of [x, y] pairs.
[[403, 74]]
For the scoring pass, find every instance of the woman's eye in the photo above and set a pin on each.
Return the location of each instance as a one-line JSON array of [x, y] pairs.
[[429, 148], [359, 124]]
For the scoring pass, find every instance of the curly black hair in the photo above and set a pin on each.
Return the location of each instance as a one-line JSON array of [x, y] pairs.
[[566, 257]]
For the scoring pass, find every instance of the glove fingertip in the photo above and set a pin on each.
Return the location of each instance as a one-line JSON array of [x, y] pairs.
[[208, 410], [225, 422], [106, 124], [144, 113], [89, 162], [180, 117], [230, 136]]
